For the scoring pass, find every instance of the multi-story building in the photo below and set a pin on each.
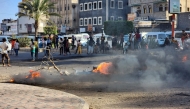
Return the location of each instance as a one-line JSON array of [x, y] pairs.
[[183, 21], [93, 13], [154, 11], [9, 27], [68, 10]]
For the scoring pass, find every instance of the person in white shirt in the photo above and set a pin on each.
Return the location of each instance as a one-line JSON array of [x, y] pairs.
[[16, 47], [4, 53]]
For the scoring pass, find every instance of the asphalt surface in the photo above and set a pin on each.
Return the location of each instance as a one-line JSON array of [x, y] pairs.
[[18, 96]]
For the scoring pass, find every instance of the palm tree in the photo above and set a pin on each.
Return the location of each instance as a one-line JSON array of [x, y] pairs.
[[37, 10]]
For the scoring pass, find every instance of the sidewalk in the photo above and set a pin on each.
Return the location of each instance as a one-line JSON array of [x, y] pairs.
[[17, 96]]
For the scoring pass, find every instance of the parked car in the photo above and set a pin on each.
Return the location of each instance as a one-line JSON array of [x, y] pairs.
[[9, 44]]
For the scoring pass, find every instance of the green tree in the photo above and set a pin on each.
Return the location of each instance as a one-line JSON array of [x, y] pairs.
[[37, 10], [50, 30], [118, 27]]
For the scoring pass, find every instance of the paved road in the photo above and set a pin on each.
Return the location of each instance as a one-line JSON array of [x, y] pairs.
[[15, 96]]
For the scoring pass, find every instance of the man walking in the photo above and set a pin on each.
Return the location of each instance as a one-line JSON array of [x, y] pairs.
[[4, 53]]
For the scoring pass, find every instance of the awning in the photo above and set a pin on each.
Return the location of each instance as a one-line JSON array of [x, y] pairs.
[[161, 1]]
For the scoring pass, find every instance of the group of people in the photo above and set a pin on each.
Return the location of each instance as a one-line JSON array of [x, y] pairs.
[[4, 50]]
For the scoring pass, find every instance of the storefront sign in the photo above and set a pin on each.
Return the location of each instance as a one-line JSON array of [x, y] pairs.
[[143, 24], [131, 17], [141, 19], [174, 6]]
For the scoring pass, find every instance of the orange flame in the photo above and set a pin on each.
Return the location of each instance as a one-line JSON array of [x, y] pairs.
[[184, 59], [103, 68], [33, 74], [12, 80]]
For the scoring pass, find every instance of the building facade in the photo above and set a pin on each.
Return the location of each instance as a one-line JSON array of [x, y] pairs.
[[93, 13], [68, 10], [9, 27], [25, 25], [156, 12], [183, 21]]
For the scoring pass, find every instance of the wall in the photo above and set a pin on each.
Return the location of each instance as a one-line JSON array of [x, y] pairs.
[[183, 21]]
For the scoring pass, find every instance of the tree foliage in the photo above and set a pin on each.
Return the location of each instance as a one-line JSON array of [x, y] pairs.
[[37, 10], [118, 27], [50, 30]]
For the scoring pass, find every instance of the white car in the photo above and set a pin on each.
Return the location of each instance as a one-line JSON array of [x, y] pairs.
[[9, 44]]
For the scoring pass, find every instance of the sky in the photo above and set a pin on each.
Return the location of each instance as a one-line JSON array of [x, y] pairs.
[[8, 9]]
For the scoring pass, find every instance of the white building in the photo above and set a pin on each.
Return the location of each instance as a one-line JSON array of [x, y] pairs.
[[26, 25], [11, 28]]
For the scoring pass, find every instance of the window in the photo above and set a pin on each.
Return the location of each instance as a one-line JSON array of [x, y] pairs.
[[85, 6], [85, 21], [120, 18], [60, 8], [94, 20], [150, 9], [139, 10], [161, 8], [81, 21], [89, 20], [65, 8], [180, 9], [99, 20], [99, 4], [112, 4], [188, 9], [145, 9], [65, 21], [20, 26], [81, 7], [120, 4], [95, 5], [166, 7], [90, 6], [112, 18], [57, 9], [68, 21], [68, 7]]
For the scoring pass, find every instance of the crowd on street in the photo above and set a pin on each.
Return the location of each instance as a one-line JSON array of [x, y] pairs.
[[64, 46]]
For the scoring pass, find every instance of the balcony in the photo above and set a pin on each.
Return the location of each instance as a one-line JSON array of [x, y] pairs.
[[140, 2]]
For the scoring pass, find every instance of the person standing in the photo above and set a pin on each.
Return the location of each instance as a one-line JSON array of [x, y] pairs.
[[16, 47], [31, 43], [56, 42], [184, 37], [103, 43], [79, 50], [64, 45], [91, 45], [36, 49], [13, 41], [98, 44], [137, 40], [61, 46], [4, 53], [67, 47], [33, 51], [73, 42]]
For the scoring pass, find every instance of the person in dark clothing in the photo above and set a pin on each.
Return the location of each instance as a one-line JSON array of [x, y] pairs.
[[102, 44], [98, 44], [121, 40], [64, 45], [61, 46], [56, 42], [73, 42], [166, 42]]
